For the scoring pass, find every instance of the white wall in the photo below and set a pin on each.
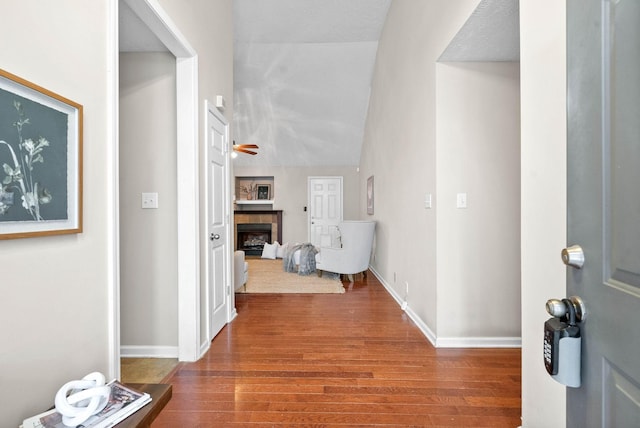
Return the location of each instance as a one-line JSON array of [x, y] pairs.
[[57, 294], [478, 248], [148, 237], [399, 146], [399, 149], [441, 129], [544, 213], [55, 306], [290, 190]]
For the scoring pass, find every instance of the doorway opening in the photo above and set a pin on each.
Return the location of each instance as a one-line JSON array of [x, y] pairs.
[[185, 325]]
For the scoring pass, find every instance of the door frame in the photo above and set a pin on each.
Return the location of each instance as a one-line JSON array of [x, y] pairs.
[[189, 327]]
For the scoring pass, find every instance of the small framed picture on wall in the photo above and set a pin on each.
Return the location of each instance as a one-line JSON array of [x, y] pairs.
[[370, 195], [264, 192]]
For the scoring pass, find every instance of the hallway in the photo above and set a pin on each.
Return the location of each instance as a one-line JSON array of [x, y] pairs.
[[352, 359]]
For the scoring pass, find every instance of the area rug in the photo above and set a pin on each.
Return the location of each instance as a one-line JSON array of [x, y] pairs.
[[268, 276]]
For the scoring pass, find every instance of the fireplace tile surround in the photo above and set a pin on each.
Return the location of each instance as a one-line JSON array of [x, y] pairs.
[[272, 217]]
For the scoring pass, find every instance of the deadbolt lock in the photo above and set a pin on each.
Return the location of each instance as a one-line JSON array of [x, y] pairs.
[[573, 256]]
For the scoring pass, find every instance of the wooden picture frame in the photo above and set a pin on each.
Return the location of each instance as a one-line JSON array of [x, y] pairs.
[[263, 192], [40, 161], [370, 195]]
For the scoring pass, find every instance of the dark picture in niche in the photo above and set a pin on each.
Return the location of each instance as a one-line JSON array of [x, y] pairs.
[[264, 191]]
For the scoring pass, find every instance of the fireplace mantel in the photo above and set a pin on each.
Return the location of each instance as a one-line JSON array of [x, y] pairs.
[[273, 217]]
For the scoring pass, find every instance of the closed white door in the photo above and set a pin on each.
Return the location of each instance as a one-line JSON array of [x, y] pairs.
[[603, 106], [218, 293], [325, 210]]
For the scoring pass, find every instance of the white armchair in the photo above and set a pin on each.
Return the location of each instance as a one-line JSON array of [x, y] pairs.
[[240, 270], [357, 242]]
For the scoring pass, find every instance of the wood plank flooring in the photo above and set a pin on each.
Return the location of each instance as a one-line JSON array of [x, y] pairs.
[[344, 360]]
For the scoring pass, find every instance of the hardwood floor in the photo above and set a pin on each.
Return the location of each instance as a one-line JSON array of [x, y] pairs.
[[353, 359]]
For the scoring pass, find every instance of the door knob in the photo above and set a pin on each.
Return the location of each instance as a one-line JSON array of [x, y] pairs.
[[559, 308], [214, 236], [573, 256]]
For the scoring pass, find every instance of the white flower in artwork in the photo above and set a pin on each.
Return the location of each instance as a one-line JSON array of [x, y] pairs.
[[5, 202], [19, 176], [29, 201]]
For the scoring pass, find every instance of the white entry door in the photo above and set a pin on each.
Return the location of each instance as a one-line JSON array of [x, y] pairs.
[[603, 106], [218, 294], [325, 210]]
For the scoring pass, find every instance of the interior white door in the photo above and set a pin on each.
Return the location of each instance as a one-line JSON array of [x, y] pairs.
[[218, 293], [325, 210], [603, 101]]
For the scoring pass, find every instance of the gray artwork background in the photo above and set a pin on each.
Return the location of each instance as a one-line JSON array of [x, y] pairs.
[[44, 122]]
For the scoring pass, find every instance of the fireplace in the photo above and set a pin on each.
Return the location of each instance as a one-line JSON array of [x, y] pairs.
[[252, 237], [253, 228]]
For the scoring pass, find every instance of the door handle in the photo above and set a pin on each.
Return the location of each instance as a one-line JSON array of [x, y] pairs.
[[559, 308], [573, 256], [214, 236]]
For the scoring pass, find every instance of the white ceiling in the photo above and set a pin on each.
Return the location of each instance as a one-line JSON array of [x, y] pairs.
[[302, 78], [492, 33], [303, 70], [134, 35]]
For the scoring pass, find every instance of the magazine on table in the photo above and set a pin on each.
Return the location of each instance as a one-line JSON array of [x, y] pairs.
[[123, 401]]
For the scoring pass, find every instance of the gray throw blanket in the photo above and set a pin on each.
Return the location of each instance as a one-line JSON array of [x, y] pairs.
[[307, 259]]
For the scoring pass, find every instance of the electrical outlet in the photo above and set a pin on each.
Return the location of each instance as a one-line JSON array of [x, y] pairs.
[[406, 296]]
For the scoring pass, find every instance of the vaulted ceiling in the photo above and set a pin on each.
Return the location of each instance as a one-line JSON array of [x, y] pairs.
[[303, 71]]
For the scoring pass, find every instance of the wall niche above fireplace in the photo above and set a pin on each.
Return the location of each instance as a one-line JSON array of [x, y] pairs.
[[254, 192]]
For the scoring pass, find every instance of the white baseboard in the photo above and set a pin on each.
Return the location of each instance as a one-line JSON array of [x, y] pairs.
[[428, 333], [204, 347], [424, 328], [149, 351], [479, 342], [390, 289], [448, 342]]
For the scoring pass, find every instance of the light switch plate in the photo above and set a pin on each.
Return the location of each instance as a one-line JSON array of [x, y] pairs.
[[461, 201], [427, 200], [149, 200]]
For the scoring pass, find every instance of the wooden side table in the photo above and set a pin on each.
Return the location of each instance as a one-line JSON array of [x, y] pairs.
[[160, 396]]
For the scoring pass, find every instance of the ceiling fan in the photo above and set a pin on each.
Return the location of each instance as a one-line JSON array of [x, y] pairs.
[[244, 148]]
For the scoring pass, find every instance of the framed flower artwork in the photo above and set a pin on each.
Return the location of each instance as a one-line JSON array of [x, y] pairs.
[[40, 161]]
